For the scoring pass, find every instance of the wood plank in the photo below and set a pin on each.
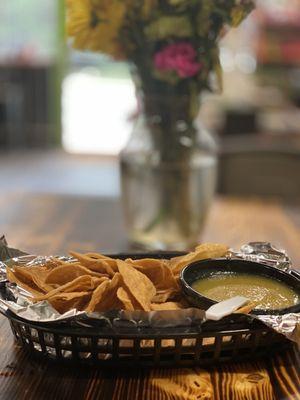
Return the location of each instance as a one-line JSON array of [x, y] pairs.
[[55, 224], [285, 374], [237, 222], [243, 381], [48, 224], [24, 377], [189, 383]]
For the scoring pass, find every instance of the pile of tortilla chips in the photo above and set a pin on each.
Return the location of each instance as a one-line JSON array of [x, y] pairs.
[[96, 283]]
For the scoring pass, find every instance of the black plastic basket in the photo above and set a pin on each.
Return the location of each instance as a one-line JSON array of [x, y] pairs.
[[233, 338], [147, 346]]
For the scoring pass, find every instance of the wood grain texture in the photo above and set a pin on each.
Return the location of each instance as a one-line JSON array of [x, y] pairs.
[[50, 224]]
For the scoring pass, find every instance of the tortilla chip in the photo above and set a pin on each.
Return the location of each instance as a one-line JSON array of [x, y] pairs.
[[166, 306], [64, 302], [106, 299], [96, 256], [110, 300], [66, 273], [202, 252], [80, 284], [164, 295], [97, 281], [97, 296], [158, 272], [26, 284], [39, 278], [140, 287], [125, 299], [60, 263], [106, 266], [33, 277]]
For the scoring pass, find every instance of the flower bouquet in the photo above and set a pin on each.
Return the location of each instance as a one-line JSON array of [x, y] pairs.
[[169, 165]]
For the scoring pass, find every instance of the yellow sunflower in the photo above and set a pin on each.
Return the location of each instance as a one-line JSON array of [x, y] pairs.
[[95, 25]]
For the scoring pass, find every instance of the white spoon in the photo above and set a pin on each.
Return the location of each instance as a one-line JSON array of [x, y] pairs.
[[226, 307]]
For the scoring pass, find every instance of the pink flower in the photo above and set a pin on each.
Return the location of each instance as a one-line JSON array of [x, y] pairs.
[[179, 57]]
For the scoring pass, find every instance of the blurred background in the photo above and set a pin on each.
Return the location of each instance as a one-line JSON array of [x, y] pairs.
[[82, 103], [65, 115]]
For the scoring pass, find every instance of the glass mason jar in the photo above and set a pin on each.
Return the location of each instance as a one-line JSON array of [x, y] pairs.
[[168, 175]]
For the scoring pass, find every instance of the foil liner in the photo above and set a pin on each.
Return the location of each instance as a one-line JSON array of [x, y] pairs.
[[14, 299], [288, 325], [264, 253]]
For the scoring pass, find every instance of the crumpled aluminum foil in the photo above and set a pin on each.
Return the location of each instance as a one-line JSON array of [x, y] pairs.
[[265, 253], [14, 299], [288, 325]]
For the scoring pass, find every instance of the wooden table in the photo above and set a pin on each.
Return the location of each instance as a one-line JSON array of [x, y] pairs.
[[50, 224]]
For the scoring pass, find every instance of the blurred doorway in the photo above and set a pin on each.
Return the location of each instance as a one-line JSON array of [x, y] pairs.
[[98, 104]]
